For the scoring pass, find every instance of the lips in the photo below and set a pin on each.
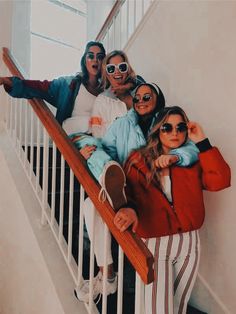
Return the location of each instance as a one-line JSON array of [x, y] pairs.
[[118, 77], [142, 107], [95, 66]]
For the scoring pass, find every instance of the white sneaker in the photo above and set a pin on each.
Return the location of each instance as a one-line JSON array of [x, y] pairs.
[[82, 292], [113, 181]]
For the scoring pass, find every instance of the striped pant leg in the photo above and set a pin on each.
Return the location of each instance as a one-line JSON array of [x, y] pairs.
[[176, 260], [185, 270], [159, 295]]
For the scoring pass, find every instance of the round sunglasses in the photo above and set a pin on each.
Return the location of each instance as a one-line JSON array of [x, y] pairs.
[[145, 98], [98, 56], [168, 128], [122, 67]]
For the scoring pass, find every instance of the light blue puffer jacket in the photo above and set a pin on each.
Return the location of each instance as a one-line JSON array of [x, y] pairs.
[[125, 135]]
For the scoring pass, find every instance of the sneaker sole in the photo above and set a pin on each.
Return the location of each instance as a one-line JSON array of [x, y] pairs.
[[114, 182]]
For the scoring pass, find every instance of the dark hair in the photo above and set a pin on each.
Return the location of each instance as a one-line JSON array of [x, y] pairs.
[[160, 102], [84, 70], [131, 74]]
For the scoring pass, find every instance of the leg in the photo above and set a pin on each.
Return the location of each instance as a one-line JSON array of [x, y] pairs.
[[159, 295], [185, 270], [106, 171], [82, 292], [99, 232]]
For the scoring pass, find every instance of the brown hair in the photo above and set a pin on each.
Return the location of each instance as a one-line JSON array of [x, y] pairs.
[[153, 149]]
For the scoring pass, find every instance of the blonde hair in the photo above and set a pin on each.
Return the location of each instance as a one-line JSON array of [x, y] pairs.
[[104, 80]]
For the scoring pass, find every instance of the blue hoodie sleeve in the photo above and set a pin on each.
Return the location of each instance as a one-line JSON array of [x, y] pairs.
[[187, 154]]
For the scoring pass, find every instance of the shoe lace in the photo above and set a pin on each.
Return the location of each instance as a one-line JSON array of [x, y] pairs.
[[102, 196]]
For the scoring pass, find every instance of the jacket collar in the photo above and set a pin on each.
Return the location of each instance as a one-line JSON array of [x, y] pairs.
[[133, 118]]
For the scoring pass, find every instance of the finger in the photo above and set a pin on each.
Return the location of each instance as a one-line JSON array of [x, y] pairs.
[[125, 226], [118, 218], [135, 225]]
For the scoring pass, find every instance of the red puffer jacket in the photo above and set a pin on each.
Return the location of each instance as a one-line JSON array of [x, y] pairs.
[[157, 216]]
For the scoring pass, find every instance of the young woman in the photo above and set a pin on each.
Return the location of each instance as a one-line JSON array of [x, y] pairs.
[[125, 134], [73, 96], [119, 80], [131, 131], [167, 209]]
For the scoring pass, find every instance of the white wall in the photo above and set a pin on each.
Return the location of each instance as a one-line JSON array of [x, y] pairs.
[[97, 12], [21, 34], [6, 9], [5, 18], [189, 49]]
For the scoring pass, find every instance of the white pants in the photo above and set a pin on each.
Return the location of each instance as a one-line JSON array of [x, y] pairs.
[[176, 261], [99, 238]]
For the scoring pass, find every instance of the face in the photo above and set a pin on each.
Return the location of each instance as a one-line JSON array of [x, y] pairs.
[[172, 132], [93, 60], [117, 77], [146, 100]]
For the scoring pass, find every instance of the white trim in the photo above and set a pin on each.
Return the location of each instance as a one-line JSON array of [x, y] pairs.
[[141, 24]]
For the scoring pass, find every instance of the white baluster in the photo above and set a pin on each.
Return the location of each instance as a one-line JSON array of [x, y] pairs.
[[120, 281], [45, 176], [71, 204], [81, 234], [53, 188], [62, 192]]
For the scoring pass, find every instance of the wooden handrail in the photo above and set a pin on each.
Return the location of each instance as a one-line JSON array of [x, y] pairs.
[[108, 20], [134, 248]]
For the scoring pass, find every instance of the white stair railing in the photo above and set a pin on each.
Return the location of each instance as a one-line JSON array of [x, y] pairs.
[[38, 154], [121, 23]]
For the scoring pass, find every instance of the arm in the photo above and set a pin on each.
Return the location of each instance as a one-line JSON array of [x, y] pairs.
[[216, 174], [109, 140], [126, 92], [47, 90], [187, 154], [127, 216]]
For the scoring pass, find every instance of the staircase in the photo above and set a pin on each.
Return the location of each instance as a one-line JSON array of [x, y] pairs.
[[62, 193]]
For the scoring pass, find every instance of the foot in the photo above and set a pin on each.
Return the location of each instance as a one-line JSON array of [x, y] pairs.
[[112, 181], [82, 292]]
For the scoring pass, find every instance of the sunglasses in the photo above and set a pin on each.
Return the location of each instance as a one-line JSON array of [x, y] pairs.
[[168, 128], [145, 98], [122, 67], [98, 56]]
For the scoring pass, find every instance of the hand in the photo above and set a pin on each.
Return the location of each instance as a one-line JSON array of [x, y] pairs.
[[195, 132], [1, 80], [87, 151], [165, 161], [121, 90], [126, 217], [6, 81]]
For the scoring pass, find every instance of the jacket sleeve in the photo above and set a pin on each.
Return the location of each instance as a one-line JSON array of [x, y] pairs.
[[187, 154], [46, 90], [216, 174], [109, 140]]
